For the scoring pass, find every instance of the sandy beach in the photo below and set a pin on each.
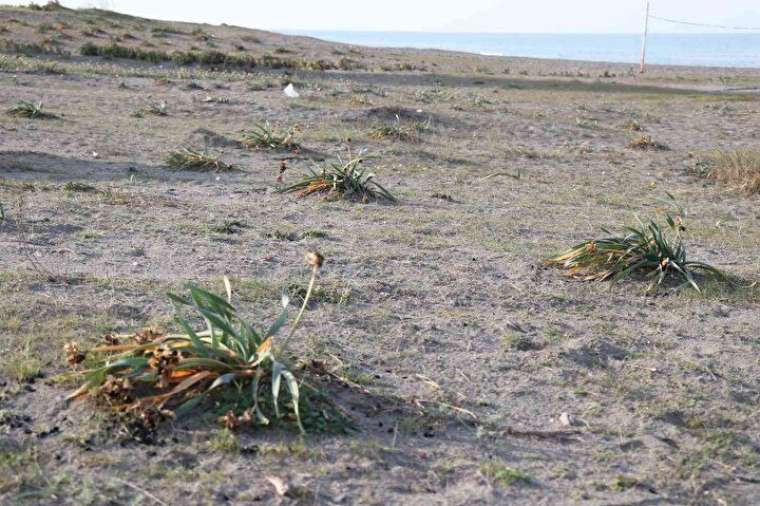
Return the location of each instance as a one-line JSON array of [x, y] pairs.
[[471, 372]]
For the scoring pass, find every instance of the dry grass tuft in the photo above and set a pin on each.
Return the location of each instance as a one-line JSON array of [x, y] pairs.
[[190, 159], [738, 169], [645, 143]]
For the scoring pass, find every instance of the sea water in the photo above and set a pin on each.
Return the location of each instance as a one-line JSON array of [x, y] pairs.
[[715, 50]]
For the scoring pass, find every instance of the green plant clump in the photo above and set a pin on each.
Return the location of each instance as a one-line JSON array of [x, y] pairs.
[[400, 131], [157, 109], [266, 137], [156, 376], [30, 110], [651, 249], [504, 476], [341, 180]]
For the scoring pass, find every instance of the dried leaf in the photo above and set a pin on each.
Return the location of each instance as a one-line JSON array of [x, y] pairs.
[[280, 486]]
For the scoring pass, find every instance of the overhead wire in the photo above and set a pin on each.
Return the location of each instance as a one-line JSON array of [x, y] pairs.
[[706, 25]]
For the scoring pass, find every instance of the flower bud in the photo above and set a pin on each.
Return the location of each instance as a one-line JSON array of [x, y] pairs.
[[74, 355], [314, 259]]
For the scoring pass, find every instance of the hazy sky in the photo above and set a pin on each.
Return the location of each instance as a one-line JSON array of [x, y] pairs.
[[581, 16]]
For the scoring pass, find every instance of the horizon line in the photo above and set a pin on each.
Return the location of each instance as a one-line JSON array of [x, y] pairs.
[[440, 32]]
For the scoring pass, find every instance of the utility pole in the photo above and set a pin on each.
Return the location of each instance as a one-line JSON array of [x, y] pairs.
[[644, 40]]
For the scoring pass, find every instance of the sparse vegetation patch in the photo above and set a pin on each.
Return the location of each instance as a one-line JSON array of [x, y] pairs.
[[78, 187], [210, 57], [504, 476], [114, 50]]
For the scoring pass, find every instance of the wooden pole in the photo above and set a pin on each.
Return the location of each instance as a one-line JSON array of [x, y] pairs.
[[644, 40]]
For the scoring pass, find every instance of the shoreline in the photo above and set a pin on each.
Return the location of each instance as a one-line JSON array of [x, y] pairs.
[[354, 38]]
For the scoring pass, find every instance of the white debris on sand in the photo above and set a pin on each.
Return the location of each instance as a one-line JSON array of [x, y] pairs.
[[290, 91]]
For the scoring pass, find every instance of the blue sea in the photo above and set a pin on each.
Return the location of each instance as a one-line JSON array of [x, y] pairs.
[[714, 50]]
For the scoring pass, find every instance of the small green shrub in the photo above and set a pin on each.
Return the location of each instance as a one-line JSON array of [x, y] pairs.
[[114, 50], [267, 137], [500, 474], [341, 180], [158, 109], [78, 187], [224, 441], [30, 110], [229, 227], [622, 483], [52, 5], [292, 235], [406, 132]]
